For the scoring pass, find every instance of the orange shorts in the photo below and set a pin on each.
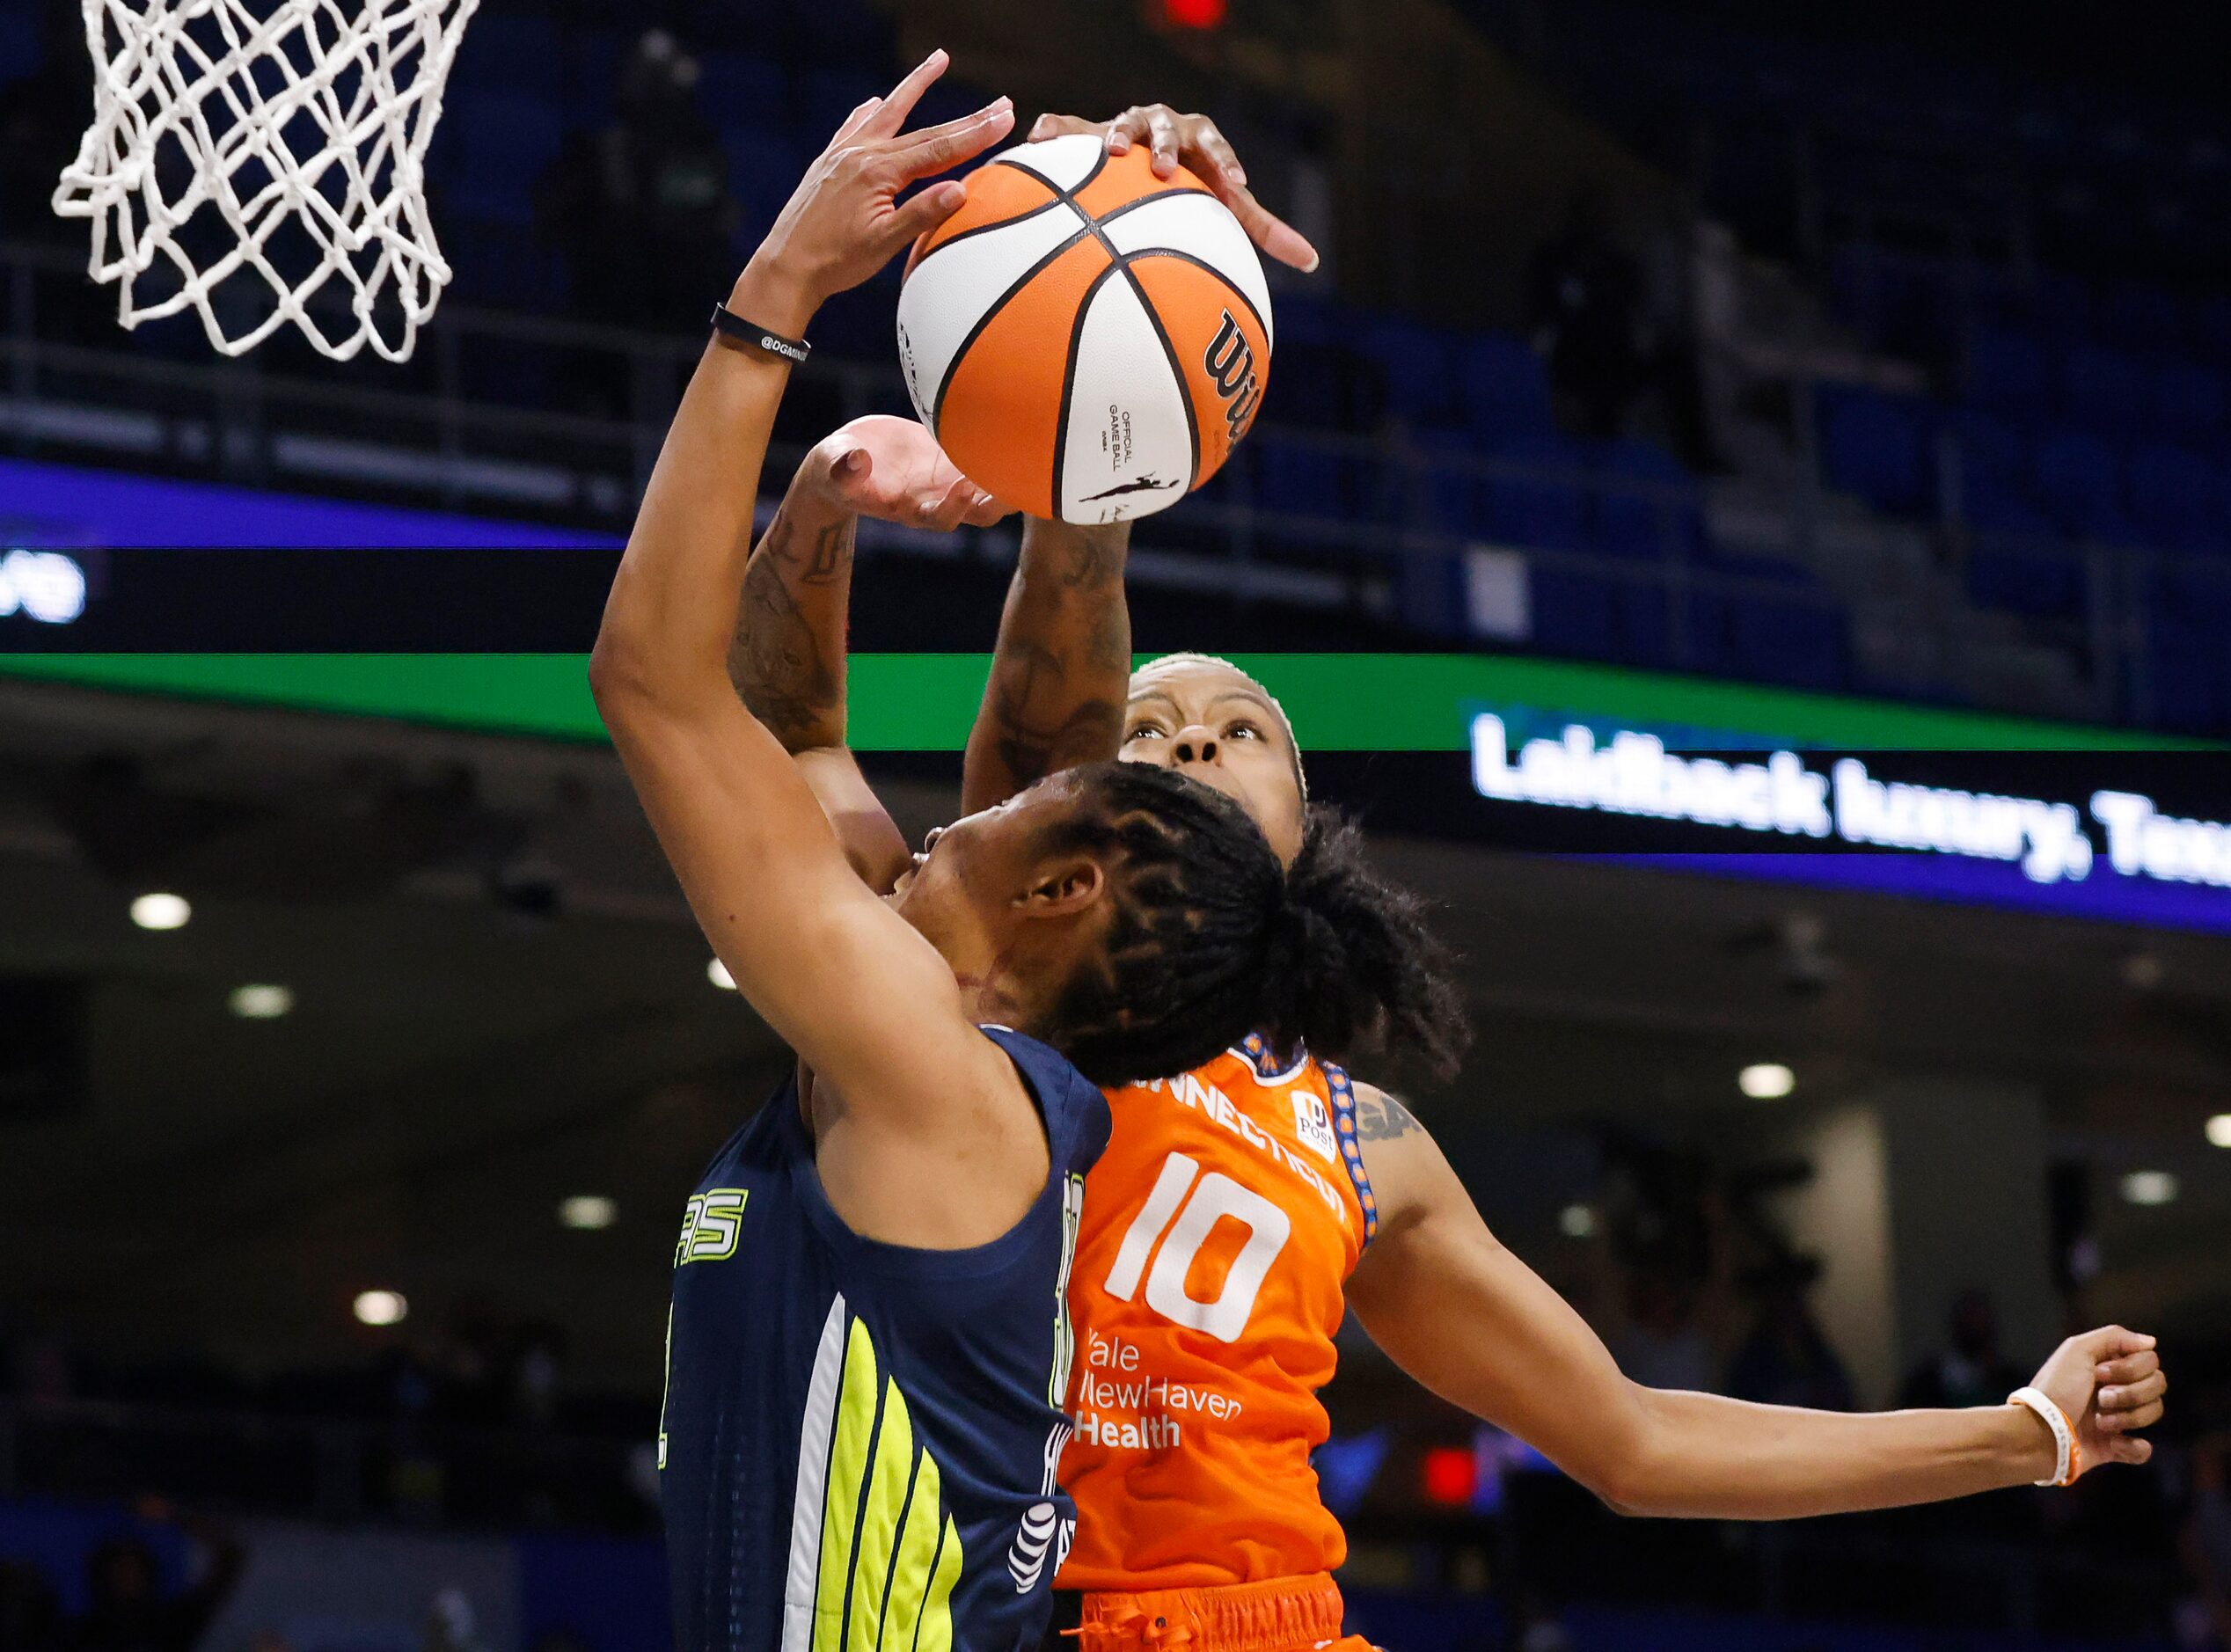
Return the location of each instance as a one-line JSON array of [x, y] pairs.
[[1286, 1614]]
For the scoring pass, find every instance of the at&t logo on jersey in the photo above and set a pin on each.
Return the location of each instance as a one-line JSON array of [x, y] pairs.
[[1033, 1540], [1042, 1525], [1230, 365]]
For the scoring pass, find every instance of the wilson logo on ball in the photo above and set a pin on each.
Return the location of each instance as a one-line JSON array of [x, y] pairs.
[[1230, 365]]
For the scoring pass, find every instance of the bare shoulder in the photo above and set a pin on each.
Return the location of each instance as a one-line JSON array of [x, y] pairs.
[[1409, 1174], [1380, 1116]]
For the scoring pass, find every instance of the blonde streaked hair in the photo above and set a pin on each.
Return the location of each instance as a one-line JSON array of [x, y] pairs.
[[1178, 662]]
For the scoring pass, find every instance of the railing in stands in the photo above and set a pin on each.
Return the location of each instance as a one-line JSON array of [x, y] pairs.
[[75, 387]]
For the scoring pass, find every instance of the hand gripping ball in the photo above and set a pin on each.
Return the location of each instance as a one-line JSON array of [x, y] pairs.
[[1086, 340]]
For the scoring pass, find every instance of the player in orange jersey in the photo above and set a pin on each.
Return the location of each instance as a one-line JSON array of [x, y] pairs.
[[1242, 1209], [1221, 1240]]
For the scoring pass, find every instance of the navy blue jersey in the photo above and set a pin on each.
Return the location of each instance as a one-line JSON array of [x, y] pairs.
[[859, 1439]]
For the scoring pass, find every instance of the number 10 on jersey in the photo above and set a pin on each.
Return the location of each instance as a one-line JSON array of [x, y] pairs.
[[1181, 1211]]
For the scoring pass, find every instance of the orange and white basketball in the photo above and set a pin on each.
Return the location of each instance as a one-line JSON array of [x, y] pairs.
[[1087, 340]]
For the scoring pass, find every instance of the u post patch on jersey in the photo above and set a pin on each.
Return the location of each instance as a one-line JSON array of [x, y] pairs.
[[1314, 1126]]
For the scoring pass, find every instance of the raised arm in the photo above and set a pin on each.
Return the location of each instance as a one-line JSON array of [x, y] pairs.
[[1473, 1323], [1060, 672], [786, 658], [1062, 668], [860, 997]]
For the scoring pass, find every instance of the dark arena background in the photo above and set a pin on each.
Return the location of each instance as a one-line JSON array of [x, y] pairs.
[[1830, 404]]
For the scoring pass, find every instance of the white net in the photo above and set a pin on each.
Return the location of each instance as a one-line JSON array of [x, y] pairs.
[[263, 165]]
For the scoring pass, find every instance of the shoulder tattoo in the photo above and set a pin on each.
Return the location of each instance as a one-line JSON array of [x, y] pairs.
[[1378, 1116]]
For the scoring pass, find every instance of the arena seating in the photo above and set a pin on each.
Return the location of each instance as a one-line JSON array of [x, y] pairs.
[[1477, 403], [2076, 410], [2076, 414]]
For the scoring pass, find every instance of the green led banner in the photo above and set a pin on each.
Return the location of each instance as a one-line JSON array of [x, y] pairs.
[[924, 702]]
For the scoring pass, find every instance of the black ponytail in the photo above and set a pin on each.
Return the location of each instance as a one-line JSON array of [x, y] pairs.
[[1213, 940], [1353, 966]]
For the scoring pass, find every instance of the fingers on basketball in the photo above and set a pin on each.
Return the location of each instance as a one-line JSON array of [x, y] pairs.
[[1087, 340]]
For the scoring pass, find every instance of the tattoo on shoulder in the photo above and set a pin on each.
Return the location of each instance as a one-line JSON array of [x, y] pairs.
[[1378, 1115]]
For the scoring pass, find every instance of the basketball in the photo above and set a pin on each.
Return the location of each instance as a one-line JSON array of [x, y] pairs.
[[1087, 340]]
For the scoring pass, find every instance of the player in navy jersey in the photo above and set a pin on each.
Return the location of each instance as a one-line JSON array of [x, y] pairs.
[[869, 1344]]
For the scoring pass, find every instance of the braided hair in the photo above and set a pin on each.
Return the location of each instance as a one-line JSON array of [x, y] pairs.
[[1211, 938]]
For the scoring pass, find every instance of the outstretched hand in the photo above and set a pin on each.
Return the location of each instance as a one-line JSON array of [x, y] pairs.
[[845, 220], [2110, 1382], [1191, 141], [893, 470]]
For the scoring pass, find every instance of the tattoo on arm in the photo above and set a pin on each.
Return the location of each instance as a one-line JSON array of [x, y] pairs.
[[786, 660], [1062, 664], [1031, 744], [1093, 561], [1380, 1116]]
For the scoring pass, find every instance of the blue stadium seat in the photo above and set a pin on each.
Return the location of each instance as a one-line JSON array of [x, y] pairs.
[[1417, 363], [1994, 493], [501, 142], [2186, 689], [498, 263], [2006, 374], [1798, 643], [1317, 385], [592, 75], [2018, 579], [21, 50], [762, 172], [1664, 522], [505, 51], [1573, 613], [2080, 484], [826, 96], [1455, 497], [1642, 609], [2104, 390], [1894, 307], [1432, 593], [2190, 614], [2189, 403], [842, 31], [1549, 509], [744, 93], [1302, 319], [1506, 387], [1877, 447], [493, 369], [1302, 478], [2177, 499]]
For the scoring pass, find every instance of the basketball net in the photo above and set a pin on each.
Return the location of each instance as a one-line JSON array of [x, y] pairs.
[[263, 152]]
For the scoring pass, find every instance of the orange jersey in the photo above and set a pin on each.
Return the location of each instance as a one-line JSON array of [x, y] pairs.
[[1219, 1233]]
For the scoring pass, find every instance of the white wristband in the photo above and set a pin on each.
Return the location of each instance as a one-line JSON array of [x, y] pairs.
[[2068, 1461]]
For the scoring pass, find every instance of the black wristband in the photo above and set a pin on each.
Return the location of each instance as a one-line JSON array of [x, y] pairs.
[[729, 324]]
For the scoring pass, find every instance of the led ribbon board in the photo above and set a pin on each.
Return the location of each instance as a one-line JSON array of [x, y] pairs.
[[1792, 808]]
